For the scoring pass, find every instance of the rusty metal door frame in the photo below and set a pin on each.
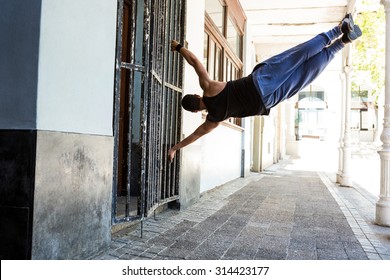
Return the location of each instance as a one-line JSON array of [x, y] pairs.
[[160, 90]]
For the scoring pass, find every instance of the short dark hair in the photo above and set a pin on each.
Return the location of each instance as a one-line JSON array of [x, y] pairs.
[[191, 102]]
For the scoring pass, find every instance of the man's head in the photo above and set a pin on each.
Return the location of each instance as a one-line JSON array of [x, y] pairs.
[[191, 102]]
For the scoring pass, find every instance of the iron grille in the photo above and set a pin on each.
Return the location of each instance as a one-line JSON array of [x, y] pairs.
[[148, 89]]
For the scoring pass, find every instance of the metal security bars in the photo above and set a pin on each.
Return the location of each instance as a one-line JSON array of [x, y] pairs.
[[147, 120]]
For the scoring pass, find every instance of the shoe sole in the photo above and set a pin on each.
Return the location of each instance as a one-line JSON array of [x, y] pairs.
[[356, 33], [351, 24]]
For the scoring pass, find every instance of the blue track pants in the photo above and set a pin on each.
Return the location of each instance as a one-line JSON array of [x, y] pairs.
[[285, 74]]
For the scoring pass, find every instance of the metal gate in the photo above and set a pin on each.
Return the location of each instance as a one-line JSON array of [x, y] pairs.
[[147, 119]]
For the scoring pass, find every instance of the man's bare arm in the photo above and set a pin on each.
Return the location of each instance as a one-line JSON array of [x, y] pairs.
[[203, 129], [204, 79]]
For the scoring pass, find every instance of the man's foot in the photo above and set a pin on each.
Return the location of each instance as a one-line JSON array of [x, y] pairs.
[[347, 24], [352, 35]]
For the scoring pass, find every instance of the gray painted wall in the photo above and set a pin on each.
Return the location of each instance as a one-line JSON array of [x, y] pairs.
[[19, 43]]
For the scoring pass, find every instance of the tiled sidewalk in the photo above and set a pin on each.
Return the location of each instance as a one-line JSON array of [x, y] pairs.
[[282, 214]]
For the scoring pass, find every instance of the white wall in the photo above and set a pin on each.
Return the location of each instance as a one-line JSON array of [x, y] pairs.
[[76, 66], [221, 157], [215, 158], [191, 156]]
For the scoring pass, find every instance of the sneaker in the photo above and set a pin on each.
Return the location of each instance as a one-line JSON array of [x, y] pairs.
[[352, 35], [347, 24]]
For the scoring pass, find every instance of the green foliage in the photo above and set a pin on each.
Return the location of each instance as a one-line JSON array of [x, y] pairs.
[[369, 51]]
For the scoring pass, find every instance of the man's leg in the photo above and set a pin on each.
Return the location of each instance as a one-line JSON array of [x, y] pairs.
[[308, 71], [272, 73]]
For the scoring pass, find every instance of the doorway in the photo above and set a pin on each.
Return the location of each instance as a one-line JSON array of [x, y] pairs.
[[147, 120]]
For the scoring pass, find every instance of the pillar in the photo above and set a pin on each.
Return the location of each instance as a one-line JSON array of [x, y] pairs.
[[282, 131], [345, 177], [342, 114], [382, 216]]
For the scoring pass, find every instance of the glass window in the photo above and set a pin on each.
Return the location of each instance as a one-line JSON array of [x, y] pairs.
[[364, 120], [206, 51], [212, 59], [228, 72], [212, 55], [217, 12], [233, 37], [217, 64], [312, 95], [361, 95]]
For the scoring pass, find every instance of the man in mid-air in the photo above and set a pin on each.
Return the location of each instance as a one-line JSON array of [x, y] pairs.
[[272, 81]]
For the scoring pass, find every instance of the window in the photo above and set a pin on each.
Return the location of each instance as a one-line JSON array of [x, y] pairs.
[[311, 114], [359, 119], [224, 25], [212, 58], [360, 95], [233, 37], [216, 11]]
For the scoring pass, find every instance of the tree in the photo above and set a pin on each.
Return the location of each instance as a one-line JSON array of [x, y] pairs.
[[369, 53]]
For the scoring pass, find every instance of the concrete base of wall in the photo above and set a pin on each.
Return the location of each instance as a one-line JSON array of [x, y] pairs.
[[190, 175], [73, 194]]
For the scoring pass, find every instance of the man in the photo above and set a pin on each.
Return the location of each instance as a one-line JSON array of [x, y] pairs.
[[272, 81]]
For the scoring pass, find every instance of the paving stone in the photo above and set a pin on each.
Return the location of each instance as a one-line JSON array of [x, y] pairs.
[[217, 219], [175, 253], [304, 244], [116, 253], [355, 253], [155, 249], [279, 229], [373, 256], [269, 254], [240, 253], [200, 232], [274, 242], [251, 234], [331, 254], [185, 245], [106, 257], [301, 254], [385, 257], [211, 249], [129, 256], [323, 243], [161, 241]]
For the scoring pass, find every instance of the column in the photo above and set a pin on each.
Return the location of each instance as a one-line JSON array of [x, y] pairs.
[[383, 205], [345, 177], [342, 115], [282, 131]]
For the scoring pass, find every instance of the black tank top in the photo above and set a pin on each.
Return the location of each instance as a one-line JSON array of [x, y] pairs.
[[238, 99]]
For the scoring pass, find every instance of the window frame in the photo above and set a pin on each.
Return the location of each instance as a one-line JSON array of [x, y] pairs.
[[230, 63]]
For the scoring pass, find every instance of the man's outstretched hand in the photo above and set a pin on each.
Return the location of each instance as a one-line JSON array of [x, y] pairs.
[[171, 155], [174, 43]]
